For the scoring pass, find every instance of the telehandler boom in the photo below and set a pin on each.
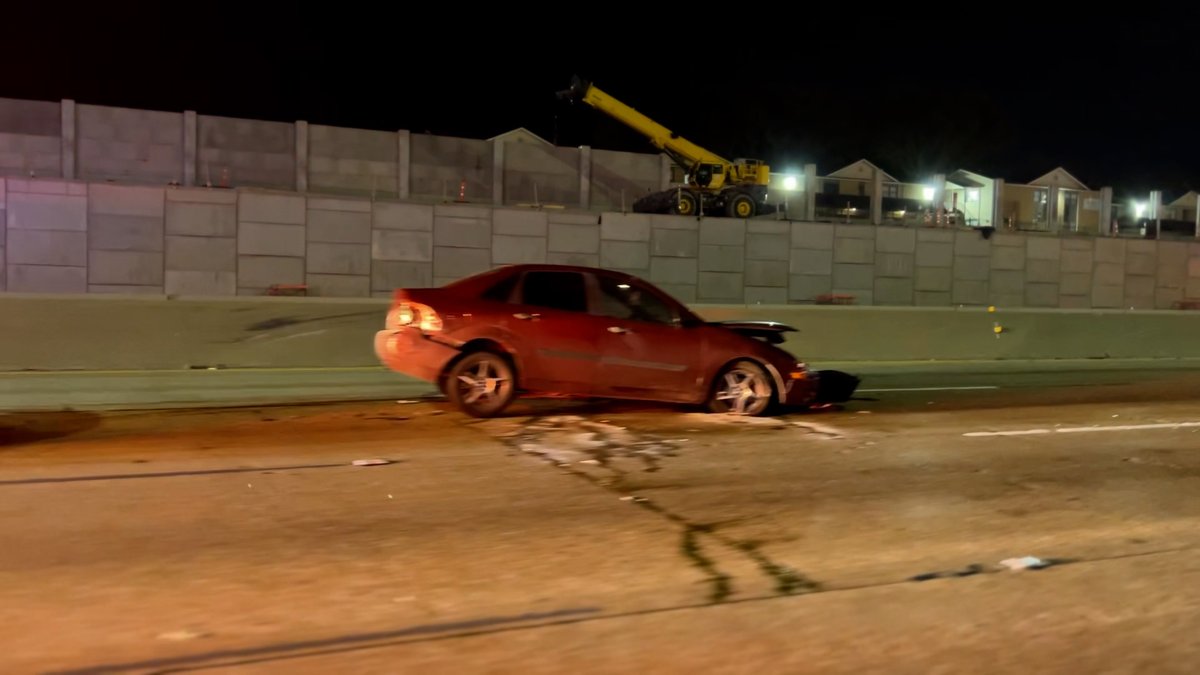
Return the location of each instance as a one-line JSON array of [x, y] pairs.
[[713, 185]]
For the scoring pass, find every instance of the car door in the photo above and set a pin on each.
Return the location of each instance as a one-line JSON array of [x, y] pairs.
[[645, 350], [557, 340]]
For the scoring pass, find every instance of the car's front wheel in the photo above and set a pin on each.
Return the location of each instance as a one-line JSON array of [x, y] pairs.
[[743, 388], [481, 384]]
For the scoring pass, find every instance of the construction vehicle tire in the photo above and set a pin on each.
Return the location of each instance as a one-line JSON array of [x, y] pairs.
[[686, 204], [740, 205]]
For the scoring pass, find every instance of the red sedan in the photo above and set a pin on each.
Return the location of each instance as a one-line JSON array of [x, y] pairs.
[[538, 330]]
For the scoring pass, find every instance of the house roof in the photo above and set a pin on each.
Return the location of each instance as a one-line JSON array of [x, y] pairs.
[[861, 169], [1059, 177], [968, 179], [520, 135], [1189, 199]]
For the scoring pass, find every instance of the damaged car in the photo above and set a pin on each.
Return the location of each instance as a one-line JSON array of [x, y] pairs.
[[542, 330]]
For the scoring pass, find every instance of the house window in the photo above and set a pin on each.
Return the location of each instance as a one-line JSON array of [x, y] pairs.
[[891, 189], [1041, 204], [831, 187]]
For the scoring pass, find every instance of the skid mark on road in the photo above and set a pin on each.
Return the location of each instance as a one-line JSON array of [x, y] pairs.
[[340, 643], [168, 474], [572, 442]]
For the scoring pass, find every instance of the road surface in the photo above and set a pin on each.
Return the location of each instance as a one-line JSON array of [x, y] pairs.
[[617, 538]]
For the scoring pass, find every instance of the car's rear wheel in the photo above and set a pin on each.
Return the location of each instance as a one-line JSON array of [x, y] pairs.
[[481, 384], [743, 388]]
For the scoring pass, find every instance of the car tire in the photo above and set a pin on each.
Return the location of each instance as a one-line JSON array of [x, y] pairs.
[[481, 384], [742, 388]]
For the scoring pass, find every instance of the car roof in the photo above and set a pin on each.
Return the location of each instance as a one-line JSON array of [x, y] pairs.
[[558, 268], [518, 268]]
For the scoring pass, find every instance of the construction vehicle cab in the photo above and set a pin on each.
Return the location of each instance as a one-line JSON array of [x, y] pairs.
[[712, 185]]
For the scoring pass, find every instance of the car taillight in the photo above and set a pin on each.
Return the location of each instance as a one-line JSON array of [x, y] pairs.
[[430, 321], [403, 315], [423, 316]]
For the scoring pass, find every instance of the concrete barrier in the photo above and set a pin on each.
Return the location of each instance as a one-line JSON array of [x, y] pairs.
[[946, 334], [41, 332]]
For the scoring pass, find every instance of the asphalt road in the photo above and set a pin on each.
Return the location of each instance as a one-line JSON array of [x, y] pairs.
[[617, 538]]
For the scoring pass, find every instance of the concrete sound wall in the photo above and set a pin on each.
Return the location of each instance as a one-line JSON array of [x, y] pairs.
[[141, 333], [62, 139], [73, 237], [30, 138]]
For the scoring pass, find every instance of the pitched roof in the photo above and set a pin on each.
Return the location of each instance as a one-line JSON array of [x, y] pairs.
[[861, 169], [1189, 199], [520, 135], [1059, 177], [968, 179]]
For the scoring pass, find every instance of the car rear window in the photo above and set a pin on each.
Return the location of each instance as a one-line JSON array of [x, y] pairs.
[[555, 290]]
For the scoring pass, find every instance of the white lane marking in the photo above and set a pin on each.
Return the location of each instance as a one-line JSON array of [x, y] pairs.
[[1131, 427], [1026, 432], [1076, 430], [932, 388]]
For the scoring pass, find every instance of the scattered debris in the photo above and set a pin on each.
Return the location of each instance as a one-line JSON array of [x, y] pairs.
[[181, 635], [569, 439], [1027, 563], [370, 462], [825, 431], [974, 568], [407, 401]]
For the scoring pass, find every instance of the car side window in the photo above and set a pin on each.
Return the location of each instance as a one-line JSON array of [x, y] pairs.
[[623, 300], [554, 290], [501, 291]]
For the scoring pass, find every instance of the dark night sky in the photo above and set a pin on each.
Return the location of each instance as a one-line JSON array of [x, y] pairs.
[[1113, 99]]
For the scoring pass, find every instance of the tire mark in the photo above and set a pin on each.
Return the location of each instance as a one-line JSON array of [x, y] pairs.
[[565, 440]]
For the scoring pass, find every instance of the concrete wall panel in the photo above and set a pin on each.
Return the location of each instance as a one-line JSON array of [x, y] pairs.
[[129, 145], [440, 163], [245, 153]]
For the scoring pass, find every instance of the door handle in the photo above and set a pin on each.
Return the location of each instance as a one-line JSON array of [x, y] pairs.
[[525, 317], [617, 329]]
